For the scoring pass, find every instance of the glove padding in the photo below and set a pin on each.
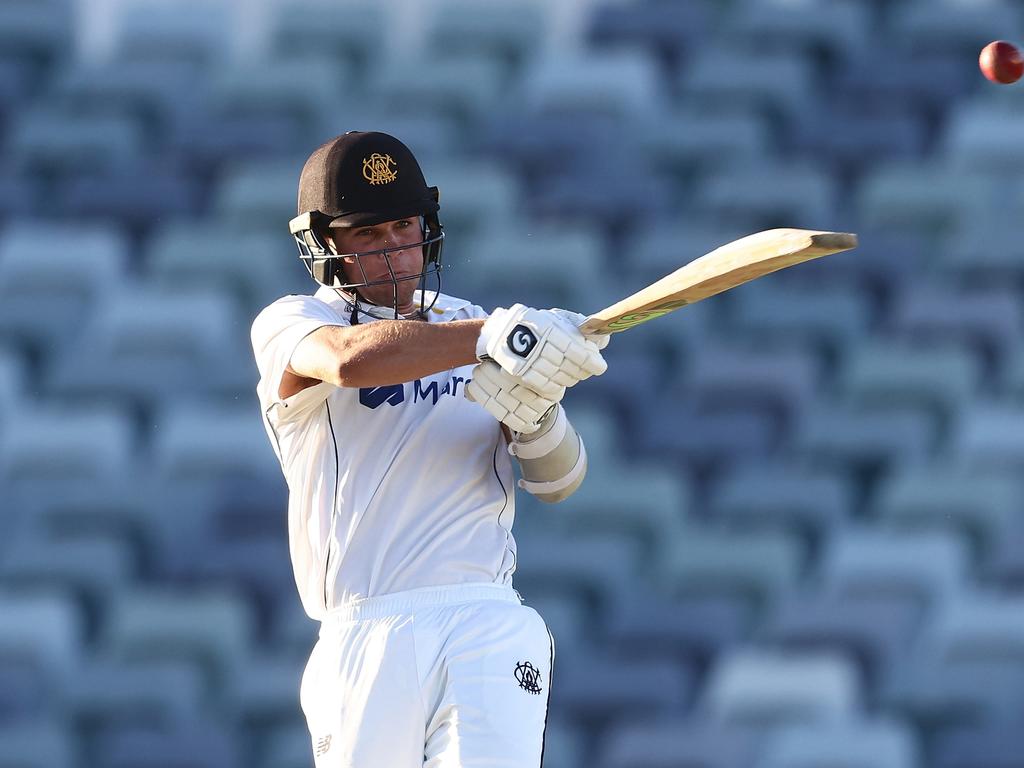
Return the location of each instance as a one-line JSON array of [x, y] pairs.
[[542, 347], [600, 339], [507, 399]]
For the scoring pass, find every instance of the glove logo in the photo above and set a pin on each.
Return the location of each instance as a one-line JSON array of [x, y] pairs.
[[522, 341]]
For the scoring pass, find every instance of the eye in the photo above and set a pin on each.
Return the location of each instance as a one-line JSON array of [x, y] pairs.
[[364, 233], [403, 223]]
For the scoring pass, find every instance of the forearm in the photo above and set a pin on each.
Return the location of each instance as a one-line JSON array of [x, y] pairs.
[[396, 351], [552, 459]]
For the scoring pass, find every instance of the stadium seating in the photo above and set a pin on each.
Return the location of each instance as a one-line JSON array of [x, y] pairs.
[[799, 543]]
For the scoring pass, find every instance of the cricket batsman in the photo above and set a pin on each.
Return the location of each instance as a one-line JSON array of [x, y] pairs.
[[396, 412]]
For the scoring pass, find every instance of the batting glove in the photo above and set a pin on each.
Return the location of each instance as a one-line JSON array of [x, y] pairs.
[[600, 339], [542, 347], [507, 399]]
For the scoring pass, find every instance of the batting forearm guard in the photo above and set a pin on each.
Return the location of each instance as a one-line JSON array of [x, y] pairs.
[[553, 459]]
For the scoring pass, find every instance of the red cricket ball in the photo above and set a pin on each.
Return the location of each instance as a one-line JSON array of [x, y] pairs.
[[1001, 62]]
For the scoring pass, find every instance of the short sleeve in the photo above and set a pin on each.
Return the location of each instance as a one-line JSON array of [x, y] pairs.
[[276, 332]]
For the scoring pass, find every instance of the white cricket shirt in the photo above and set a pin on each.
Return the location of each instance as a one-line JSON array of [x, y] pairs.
[[390, 488]]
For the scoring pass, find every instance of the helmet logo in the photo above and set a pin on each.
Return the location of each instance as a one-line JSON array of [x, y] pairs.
[[379, 169]]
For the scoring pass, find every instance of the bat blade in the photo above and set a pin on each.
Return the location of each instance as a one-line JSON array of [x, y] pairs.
[[726, 267]]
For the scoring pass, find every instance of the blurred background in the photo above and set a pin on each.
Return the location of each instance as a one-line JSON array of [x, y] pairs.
[[801, 540]]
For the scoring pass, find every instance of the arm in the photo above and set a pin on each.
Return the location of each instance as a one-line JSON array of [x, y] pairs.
[[552, 459], [380, 353]]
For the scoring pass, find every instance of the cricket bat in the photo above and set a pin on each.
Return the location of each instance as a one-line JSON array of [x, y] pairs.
[[733, 264]]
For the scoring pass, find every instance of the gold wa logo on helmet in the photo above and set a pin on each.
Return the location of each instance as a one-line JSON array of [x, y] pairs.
[[379, 169]]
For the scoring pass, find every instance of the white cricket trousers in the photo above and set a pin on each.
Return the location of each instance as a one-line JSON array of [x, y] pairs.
[[441, 677]]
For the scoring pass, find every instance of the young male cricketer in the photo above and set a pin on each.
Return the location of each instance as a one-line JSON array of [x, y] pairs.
[[401, 484]]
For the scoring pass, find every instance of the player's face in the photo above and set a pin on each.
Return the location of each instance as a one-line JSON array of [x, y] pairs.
[[404, 262]]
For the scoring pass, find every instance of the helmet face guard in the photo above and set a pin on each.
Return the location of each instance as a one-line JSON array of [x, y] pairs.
[[326, 267]]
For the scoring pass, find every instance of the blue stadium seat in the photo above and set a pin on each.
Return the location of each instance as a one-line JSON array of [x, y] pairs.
[[192, 32], [607, 190], [350, 31], [646, 504], [94, 566], [210, 628], [971, 501], [41, 33], [13, 378], [780, 86], [565, 614], [597, 569], [926, 198], [756, 567], [560, 268], [988, 435], [509, 32], [697, 627], [977, 140], [287, 746], [50, 140], [107, 691], [977, 625], [738, 375], [609, 688], [979, 746], [20, 194], [202, 441], [26, 690], [45, 441], [831, 35], [44, 626], [674, 743], [255, 267], [822, 316], [670, 30], [159, 94], [476, 197], [257, 195], [463, 88], [197, 742], [39, 744], [708, 437], [271, 87], [938, 693], [940, 379], [767, 195], [987, 320], [130, 196], [876, 632], [984, 249], [148, 344], [962, 28], [268, 697], [618, 83], [854, 743], [30, 311], [782, 495], [688, 141], [1003, 563], [853, 140], [761, 687], [834, 434], [921, 567]]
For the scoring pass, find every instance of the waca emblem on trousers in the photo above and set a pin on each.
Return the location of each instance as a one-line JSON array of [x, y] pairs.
[[528, 677]]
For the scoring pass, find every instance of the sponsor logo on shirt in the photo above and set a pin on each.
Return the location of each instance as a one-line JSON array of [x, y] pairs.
[[394, 394]]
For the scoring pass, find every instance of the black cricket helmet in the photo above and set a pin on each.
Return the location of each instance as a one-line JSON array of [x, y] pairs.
[[359, 179]]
